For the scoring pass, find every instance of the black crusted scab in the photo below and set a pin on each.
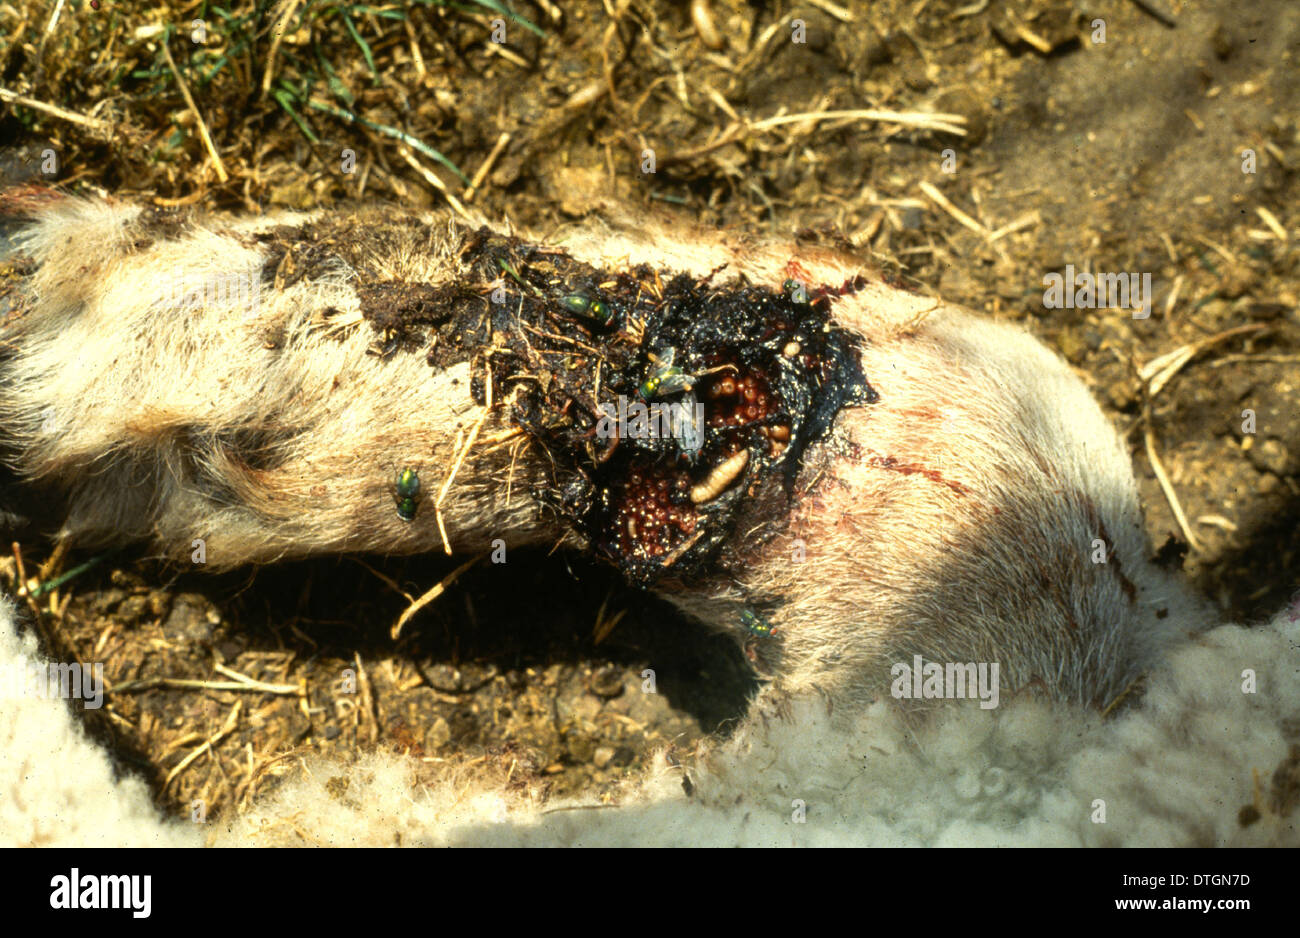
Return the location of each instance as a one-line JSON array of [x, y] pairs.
[[769, 373]]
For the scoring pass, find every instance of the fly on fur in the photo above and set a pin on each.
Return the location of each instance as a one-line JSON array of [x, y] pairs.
[[406, 494], [757, 626]]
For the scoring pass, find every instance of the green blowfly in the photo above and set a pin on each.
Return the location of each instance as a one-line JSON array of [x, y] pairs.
[[582, 305], [664, 378], [757, 626], [407, 494]]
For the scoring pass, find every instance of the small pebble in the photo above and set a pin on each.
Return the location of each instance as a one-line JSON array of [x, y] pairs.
[[133, 609], [438, 735], [607, 682]]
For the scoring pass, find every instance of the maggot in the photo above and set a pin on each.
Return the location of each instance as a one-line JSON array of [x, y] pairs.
[[722, 476], [702, 17]]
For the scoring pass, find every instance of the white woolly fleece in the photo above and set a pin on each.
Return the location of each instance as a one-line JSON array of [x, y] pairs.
[[57, 788], [1172, 770]]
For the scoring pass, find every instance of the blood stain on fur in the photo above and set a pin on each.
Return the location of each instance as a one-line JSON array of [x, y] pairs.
[[934, 475]]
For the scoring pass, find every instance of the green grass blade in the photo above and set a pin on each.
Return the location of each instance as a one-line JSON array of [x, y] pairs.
[[356, 36], [413, 142], [284, 98]]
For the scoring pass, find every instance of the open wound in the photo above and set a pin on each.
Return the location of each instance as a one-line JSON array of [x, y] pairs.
[[660, 400]]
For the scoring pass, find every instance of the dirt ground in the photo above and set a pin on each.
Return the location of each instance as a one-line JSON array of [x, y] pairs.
[[1122, 155]]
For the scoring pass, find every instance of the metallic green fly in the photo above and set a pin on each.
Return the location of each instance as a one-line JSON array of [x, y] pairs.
[[407, 494]]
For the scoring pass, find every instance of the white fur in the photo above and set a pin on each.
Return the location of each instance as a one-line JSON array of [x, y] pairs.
[[57, 788]]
